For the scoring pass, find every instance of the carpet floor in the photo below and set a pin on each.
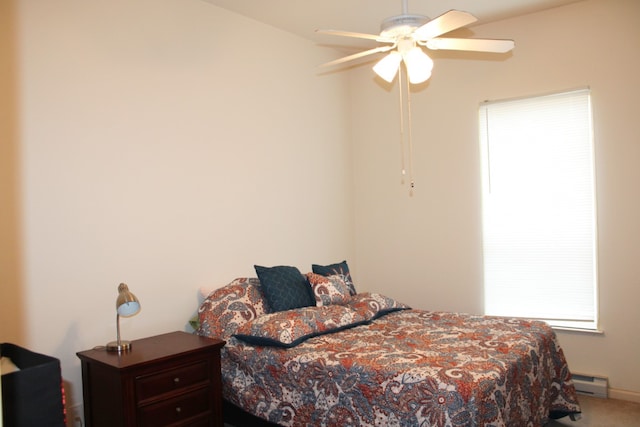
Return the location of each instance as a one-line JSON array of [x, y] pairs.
[[598, 412]]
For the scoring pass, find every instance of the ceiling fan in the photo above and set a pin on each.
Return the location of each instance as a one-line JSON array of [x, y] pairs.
[[404, 35]]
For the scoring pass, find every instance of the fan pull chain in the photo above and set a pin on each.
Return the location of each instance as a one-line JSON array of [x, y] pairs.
[[401, 88], [404, 171], [412, 183]]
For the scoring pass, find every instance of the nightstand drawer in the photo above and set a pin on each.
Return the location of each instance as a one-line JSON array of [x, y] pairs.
[[179, 409], [153, 385]]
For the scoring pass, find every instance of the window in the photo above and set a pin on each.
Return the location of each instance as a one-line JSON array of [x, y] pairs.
[[539, 218]]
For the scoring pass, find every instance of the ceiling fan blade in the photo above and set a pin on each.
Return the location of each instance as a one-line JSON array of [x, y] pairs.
[[352, 34], [476, 45], [444, 23], [359, 55]]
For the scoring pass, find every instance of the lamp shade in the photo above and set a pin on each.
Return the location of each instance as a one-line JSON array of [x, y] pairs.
[[419, 65], [126, 304], [387, 67]]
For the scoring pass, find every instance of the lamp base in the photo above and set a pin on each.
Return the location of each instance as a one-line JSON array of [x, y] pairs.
[[120, 347]]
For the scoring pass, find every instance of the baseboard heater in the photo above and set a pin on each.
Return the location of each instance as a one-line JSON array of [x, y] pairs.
[[590, 385]]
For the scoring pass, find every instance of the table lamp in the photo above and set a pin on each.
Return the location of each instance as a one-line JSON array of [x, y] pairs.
[[127, 305]]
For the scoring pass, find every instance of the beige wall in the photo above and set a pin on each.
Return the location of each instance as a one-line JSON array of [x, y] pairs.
[[157, 149], [11, 290], [170, 145], [426, 249]]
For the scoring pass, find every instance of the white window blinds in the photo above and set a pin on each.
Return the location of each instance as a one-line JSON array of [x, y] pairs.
[[539, 222]]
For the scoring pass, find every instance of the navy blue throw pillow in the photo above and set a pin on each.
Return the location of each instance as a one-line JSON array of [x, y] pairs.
[[285, 287], [340, 268]]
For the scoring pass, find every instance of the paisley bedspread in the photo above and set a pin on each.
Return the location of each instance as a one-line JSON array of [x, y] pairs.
[[371, 361], [407, 368]]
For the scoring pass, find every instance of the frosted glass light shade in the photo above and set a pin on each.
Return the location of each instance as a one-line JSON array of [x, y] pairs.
[[128, 309], [419, 65], [387, 67]]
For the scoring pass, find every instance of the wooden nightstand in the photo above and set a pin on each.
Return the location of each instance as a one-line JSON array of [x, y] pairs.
[[167, 380]]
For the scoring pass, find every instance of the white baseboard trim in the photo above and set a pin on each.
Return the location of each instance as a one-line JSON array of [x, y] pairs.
[[75, 415], [631, 396]]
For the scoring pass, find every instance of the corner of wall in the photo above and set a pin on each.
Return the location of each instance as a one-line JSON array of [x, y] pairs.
[[11, 301]]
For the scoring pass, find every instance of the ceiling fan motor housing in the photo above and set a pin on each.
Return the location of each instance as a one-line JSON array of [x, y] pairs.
[[401, 25]]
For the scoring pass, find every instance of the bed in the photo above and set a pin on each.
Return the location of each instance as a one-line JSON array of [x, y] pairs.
[[364, 359]]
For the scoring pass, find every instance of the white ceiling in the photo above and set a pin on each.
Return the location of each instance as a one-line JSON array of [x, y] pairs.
[[303, 17]]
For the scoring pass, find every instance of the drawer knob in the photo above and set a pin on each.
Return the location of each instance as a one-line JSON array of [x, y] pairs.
[[176, 380], [178, 409]]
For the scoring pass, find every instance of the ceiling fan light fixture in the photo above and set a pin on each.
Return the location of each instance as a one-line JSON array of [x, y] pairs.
[[419, 65], [387, 67], [405, 31]]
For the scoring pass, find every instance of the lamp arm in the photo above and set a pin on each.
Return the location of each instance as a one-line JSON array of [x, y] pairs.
[[118, 329]]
